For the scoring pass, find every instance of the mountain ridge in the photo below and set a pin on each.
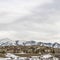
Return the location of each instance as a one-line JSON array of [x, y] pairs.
[[9, 42]]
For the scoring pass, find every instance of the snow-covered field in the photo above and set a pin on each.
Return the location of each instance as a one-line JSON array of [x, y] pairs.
[[27, 59], [3, 59], [10, 56]]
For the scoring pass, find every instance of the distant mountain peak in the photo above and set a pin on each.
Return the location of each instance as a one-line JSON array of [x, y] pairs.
[[9, 42]]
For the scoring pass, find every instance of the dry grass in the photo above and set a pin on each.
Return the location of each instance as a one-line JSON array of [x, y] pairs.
[[27, 55], [2, 55]]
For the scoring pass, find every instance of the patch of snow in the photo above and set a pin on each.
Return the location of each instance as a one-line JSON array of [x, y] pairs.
[[9, 55], [46, 56]]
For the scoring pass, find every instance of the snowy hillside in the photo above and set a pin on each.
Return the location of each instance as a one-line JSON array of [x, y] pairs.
[[9, 42], [6, 42]]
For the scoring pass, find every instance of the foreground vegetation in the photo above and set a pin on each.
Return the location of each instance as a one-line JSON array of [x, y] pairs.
[[28, 50]]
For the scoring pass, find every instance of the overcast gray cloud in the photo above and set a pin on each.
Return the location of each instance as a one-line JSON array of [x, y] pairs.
[[30, 20]]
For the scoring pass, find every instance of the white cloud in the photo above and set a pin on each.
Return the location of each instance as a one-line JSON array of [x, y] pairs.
[[7, 34], [10, 10], [30, 20]]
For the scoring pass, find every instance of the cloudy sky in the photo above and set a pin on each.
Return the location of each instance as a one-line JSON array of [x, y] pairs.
[[30, 20]]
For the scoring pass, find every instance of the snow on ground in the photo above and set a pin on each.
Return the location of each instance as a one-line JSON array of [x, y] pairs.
[[4, 58], [22, 58], [10, 56], [46, 56]]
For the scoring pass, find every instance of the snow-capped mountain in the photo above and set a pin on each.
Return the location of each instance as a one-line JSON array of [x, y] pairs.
[[6, 42], [27, 43], [9, 42], [56, 45]]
